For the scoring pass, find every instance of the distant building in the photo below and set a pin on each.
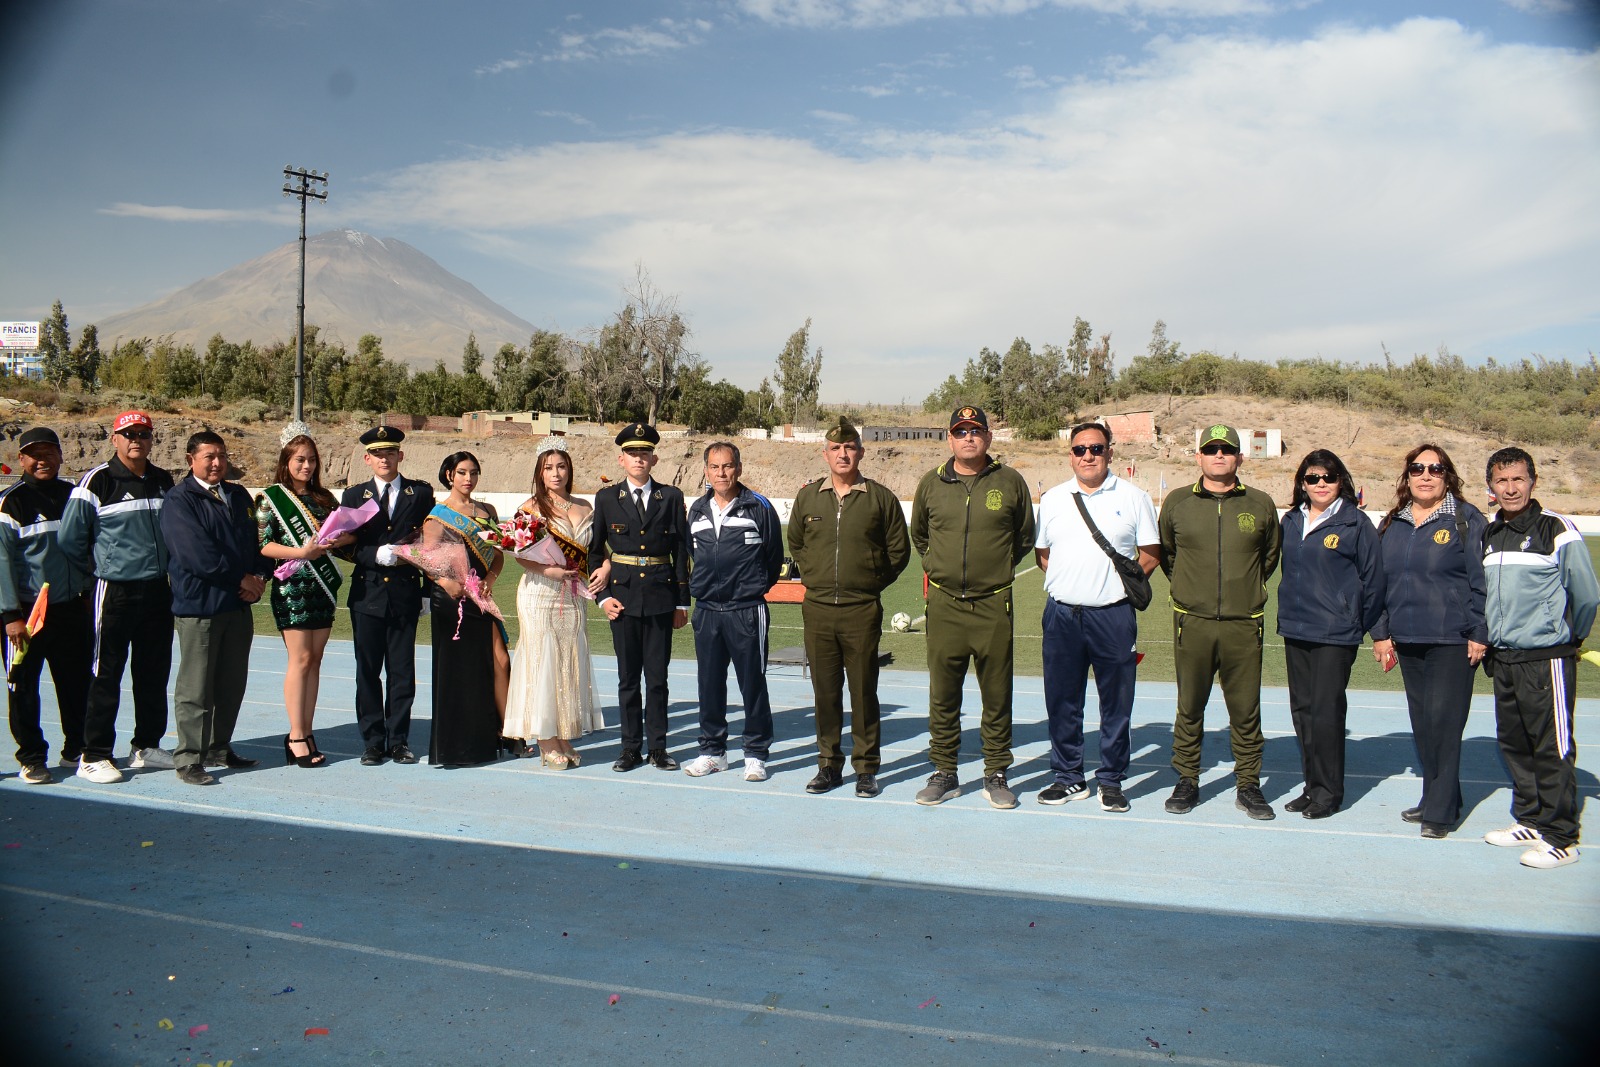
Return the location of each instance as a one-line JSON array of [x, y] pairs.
[[1253, 444], [1126, 427], [518, 423], [902, 433], [19, 349]]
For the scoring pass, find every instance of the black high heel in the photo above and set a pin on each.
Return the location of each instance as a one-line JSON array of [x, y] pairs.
[[313, 758], [518, 747]]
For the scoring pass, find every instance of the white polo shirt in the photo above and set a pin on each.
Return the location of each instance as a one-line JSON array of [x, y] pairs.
[[1081, 574]]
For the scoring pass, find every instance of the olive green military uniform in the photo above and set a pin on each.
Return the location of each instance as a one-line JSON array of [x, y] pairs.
[[849, 549], [1219, 549], [972, 531]]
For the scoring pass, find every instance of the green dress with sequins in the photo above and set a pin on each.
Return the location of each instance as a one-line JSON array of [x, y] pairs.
[[299, 603]]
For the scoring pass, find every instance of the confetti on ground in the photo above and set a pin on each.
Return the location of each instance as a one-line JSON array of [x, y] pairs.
[[1153, 1042], [13, 844], [146, 844], [165, 1024], [195, 1031], [613, 998], [323, 1030], [285, 989], [298, 926], [1030, 926], [622, 866], [925, 1003]]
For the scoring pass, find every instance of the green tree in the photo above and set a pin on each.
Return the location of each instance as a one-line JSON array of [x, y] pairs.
[[471, 355], [86, 358], [760, 406], [798, 375], [55, 347]]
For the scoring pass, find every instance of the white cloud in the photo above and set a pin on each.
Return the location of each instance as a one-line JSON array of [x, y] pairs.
[[624, 42], [863, 13], [176, 213], [1409, 186], [1540, 7]]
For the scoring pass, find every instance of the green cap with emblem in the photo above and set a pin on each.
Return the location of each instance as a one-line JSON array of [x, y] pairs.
[[844, 433], [1226, 434]]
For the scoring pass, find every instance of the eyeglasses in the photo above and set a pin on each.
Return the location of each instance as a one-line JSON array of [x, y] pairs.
[[1088, 450], [1321, 479], [136, 435], [1435, 469], [1215, 447], [967, 431]]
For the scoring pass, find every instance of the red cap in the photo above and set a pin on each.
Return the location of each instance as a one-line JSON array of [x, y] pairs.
[[130, 419]]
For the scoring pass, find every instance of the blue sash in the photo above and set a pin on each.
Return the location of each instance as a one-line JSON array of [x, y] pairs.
[[471, 531]]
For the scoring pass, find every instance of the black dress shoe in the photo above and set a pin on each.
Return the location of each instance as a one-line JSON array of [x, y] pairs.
[[194, 774], [629, 759], [1434, 831], [1298, 804], [1412, 814], [827, 778], [402, 754], [227, 757], [372, 757], [867, 786], [661, 761], [1317, 811]]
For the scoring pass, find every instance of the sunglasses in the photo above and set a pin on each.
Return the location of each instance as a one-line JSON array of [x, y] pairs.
[[1088, 450], [136, 435], [1435, 469], [1214, 448], [966, 431], [1321, 479]]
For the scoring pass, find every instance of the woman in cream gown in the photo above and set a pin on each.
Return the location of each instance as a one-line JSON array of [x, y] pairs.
[[553, 696]]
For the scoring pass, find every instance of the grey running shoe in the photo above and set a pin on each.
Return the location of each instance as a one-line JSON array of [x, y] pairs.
[[1185, 795], [999, 793], [942, 786]]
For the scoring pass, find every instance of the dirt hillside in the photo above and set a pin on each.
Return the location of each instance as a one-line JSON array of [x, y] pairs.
[[1372, 446]]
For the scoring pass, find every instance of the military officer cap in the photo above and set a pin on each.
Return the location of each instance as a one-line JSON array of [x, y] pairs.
[[638, 436], [844, 433], [380, 438]]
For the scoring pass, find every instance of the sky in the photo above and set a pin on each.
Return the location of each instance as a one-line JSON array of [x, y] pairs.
[[1276, 179]]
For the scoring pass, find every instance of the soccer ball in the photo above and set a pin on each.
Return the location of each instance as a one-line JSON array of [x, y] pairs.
[[900, 623]]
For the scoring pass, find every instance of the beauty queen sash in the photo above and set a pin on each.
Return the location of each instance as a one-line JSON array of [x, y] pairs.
[[471, 531], [301, 529]]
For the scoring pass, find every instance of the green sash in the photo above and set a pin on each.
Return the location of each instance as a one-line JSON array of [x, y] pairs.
[[300, 526], [470, 531]]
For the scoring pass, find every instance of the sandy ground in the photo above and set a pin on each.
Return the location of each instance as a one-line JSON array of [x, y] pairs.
[[1371, 445]]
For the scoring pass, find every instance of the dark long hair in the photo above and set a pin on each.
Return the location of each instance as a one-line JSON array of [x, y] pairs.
[[1402, 488], [541, 494], [1321, 457], [314, 488], [451, 462]]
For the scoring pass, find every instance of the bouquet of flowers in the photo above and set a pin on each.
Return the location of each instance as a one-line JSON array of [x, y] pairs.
[[339, 522], [530, 538], [449, 560], [516, 533]]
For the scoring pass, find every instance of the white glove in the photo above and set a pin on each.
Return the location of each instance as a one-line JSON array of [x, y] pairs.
[[386, 556]]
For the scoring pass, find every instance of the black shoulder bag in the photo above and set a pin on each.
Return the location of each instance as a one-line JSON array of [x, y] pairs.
[[1134, 580]]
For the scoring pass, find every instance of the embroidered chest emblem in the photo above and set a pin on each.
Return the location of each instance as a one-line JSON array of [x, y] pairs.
[[1247, 523], [1441, 537], [994, 499], [1331, 541]]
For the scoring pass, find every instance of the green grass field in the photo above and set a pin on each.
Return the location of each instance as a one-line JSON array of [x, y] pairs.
[[1155, 629]]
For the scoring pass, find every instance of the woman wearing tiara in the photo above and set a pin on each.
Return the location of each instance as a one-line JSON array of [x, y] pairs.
[[288, 515], [552, 681]]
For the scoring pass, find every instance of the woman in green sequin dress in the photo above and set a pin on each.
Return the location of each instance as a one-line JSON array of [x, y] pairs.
[[287, 517]]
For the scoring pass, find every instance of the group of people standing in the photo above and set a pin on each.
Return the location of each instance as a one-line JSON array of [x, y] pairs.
[[132, 555]]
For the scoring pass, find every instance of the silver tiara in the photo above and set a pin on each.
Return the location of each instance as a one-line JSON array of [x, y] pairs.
[[293, 430], [551, 444]]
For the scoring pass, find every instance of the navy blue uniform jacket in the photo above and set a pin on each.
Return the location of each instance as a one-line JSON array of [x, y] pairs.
[[211, 545], [376, 590], [620, 529], [1333, 584]]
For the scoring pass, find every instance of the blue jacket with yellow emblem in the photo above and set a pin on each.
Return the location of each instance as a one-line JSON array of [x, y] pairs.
[[1433, 575], [1332, 588]]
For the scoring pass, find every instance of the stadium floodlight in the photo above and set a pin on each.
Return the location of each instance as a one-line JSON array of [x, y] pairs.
[[307, 185]]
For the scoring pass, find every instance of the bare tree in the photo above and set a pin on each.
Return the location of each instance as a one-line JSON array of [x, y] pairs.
[[652, 336]]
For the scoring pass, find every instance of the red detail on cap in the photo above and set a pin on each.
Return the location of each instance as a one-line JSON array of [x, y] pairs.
[[131, 418]]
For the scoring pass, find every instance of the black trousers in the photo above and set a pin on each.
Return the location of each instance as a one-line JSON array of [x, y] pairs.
[[1533, 721], [1438, 682], [64, 645], [386, 648], [644, 645], [1318, 678], [131, 620]]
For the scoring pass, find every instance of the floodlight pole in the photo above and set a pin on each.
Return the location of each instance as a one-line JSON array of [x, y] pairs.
[[307, 185]]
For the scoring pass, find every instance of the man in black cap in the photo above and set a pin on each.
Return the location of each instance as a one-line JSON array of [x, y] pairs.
[[31, 558], [972, 522], [847, 535], [640, 557], [385, 598]]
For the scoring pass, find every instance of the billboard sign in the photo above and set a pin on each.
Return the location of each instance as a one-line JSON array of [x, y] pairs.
[[22, 335]]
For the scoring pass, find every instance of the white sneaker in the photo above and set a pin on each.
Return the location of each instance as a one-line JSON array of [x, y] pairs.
[[754, 770], [157, 757], [102, 771], [701, 766], [1514, 837], [1546, 857]]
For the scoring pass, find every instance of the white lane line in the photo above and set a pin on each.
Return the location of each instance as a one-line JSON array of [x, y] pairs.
[[830, 1019]]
